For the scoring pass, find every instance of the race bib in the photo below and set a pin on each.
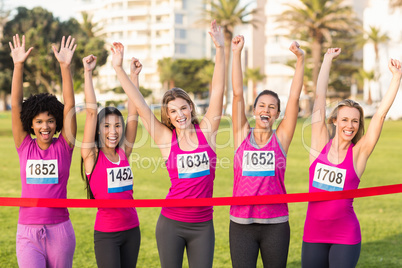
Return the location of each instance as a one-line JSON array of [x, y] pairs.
[[329, 178], [41, 171], [119, 179], [193, 165], [258, 163]]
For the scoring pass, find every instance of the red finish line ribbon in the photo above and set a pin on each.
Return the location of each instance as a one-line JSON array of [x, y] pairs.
[[193, 202]]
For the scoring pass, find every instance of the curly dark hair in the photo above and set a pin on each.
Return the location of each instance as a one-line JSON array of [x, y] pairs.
[[39, 103]]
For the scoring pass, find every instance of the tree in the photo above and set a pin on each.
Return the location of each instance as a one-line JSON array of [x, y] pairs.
[[365, 77], [317, 21], [88, 26], [376, 38], [167, 72], [254, 75], [184, 73], [187, 71], [41, 30], [228, 14], [205, 75], [5, 73], [395, 3]]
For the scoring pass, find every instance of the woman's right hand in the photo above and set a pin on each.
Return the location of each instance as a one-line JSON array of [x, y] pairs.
[[18, 52], [237, 43], [117, 54], [89, 63], [332, 53]]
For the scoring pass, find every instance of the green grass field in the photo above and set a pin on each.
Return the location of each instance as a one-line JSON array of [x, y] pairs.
[[380, 217]]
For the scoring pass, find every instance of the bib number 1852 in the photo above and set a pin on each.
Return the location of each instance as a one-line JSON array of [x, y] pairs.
[[41, 171]]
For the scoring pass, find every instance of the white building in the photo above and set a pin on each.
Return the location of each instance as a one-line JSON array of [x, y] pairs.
[[150, 30], [378, 14]]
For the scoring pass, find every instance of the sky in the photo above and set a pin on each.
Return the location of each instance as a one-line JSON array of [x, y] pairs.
[[62, 9]]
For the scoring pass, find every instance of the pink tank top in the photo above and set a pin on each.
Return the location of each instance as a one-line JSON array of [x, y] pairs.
[[259, 172], [44, 174], [192, 175], [332, 221], [113, 181]]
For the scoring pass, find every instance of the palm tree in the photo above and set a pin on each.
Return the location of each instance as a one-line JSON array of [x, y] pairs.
[[228, 14], [205, 75], [395, 3], [168, 72], [376, 38], [366, 77], [254, 75], [318, 21], [90, 28]]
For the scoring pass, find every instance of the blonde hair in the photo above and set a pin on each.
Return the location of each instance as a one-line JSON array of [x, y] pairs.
[[173, 94], [334, 115]]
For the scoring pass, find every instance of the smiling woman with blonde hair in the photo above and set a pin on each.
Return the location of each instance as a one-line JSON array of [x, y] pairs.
[[189, 151], [338, 158]]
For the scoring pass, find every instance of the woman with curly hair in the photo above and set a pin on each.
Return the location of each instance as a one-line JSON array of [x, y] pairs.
[[107, 145], [45, 236]]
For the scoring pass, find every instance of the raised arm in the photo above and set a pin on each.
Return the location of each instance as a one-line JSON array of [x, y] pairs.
[[19, 56], [366, 144], [88, 148], [161, 134], [212, 118], [64, 57], [240, 123], [132, 118], [286, 128], [319, 131]]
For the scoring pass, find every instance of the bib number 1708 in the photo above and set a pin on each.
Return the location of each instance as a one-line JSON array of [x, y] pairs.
[[329, 178]]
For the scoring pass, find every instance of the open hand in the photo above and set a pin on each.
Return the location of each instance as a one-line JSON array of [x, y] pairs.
[[135, 66], [18, 52], [295, 48], [216, 35], [117, 54], [237, 43], [67, 48], [89, 62]]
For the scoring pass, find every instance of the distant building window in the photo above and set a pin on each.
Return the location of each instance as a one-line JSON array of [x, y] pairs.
[[180, 34], [180, 49], [178, 18]]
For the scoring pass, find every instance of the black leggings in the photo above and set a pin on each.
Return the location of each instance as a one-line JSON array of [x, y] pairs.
[[173, 236], [246, 240], [322, 255], [117, 249]]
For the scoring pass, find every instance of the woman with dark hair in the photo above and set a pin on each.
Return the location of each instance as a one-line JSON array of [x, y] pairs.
[[189, 151], [45, 236], [259, 168], [105, 151], [338, 159]]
